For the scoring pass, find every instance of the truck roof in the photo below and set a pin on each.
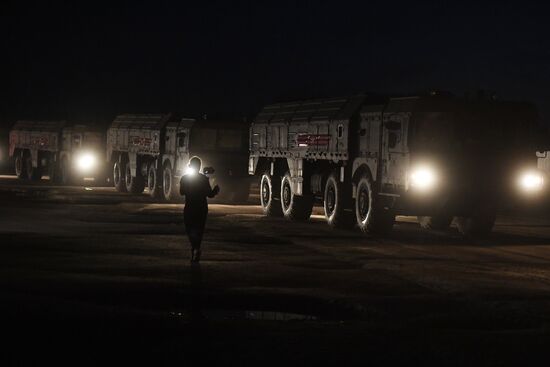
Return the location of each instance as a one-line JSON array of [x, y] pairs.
[[152, 121], [140, 121], [47, 126], [327, 109], [220, 124]]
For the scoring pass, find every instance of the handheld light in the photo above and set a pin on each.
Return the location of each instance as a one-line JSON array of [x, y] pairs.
[[190, 171]]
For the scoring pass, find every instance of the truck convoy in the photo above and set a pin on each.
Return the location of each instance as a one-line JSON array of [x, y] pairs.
[[65, 153], [366, 158], [370, 158], [153, 151], [137, 151]]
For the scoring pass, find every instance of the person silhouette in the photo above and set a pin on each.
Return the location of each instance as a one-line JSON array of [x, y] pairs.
[[195, 186]]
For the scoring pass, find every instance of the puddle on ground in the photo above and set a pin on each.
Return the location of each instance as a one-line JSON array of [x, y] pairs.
[[239, 315]]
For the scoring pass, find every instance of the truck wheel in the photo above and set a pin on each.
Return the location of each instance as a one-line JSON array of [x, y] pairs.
[[479, 224], [439, 221], [155, 189], [269, 195], [334, 204], [168, 183], [20, 170], [134, 185], [370, 214], [33, 173], [118, 169], [294, 207]]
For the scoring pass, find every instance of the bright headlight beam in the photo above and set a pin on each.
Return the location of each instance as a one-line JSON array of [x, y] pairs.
[[86, 161], [423, 178], [531, 181]]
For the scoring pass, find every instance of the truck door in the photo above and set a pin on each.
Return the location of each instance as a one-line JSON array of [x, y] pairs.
[[395, 155]]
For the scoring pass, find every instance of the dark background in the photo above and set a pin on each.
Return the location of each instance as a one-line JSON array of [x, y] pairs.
[[89, 61]]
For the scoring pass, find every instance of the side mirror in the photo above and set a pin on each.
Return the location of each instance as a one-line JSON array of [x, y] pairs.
[[393, 125], [208, 170]]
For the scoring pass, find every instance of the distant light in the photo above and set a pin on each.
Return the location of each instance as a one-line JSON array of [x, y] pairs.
[[302, 145], [86, 161], [531, 181], [423, 178]]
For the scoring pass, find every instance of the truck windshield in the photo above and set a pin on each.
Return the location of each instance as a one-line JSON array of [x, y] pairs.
[[480, 127], [433, 131], [230, 139], [204, 139], [212, 139]]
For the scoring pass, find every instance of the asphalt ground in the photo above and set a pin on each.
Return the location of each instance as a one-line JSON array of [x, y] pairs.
[[90, 276]]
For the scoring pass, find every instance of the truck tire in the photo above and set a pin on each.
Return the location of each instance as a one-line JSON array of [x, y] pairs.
[[371, 216], [269, 195], [153, 184], [294, 207], [169, 189], [480, 223], [33, 173], [438, 221], [334, 203], [118, 177], [134, 185], [20, 170]]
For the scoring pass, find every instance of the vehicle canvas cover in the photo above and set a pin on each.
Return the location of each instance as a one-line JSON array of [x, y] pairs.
[[36, 135], [139, 133], [309, 129]]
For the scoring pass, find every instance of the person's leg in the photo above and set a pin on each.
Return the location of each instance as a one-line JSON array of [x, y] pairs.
[[200, 234], [194, 239]]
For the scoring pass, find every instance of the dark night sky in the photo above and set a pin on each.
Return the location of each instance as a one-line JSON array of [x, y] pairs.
[[89, 62]]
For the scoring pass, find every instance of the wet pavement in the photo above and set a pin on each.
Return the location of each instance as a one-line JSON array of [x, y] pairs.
[[91, 276]]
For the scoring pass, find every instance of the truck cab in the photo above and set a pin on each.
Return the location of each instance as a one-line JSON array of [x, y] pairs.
[[223, 145], [443, 157]]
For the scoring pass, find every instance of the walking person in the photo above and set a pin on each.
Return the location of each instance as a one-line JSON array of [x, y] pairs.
[[196, 188]]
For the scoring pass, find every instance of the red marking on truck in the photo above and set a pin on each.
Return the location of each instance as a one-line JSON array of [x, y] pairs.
[[40, 141], [140, 141], [305, 140]]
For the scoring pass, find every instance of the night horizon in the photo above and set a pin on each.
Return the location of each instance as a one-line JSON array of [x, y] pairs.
[[89, 63]]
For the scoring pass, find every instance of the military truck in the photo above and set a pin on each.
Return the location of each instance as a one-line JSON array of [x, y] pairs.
[[67, 153], [370, 158], [152, 150]]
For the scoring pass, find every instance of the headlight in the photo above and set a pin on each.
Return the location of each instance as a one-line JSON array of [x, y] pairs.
[[531, 181], [86, 161], [423, 178], [190, 171]]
